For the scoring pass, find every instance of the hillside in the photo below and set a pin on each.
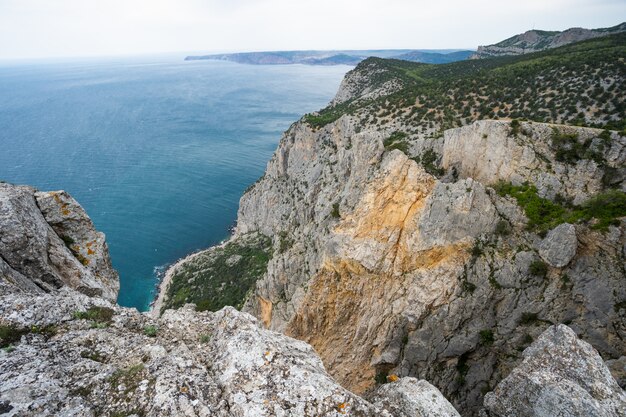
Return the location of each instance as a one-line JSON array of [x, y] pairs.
[[539, 40], [579, 84], [434, 220]]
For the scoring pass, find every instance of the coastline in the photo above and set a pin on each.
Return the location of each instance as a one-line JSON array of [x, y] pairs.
[[157, 303]]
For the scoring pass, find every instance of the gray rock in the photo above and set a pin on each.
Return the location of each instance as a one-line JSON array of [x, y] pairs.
[[410, 269], [70, 221], [559, 246], [408, 397], [219, 364], [36, 249], [560, 375]]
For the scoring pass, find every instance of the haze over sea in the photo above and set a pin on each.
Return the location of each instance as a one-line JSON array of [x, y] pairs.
[[157, 150]]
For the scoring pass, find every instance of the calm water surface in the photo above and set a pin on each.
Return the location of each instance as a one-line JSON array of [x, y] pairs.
[[157, 150]]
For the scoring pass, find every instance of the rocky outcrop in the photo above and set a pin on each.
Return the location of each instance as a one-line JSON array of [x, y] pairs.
[[357, 85], [71, 353], [48, 242], [560, 375], [408, 397], [539, 40], [559, 247], [122, 362], [389, 268], [404, 246], [490, 151]]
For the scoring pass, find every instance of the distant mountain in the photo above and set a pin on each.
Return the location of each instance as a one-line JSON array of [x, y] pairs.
[[348, 57], [539, 40], [435, 58]]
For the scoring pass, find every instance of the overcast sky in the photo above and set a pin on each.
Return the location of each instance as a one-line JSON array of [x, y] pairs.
[[74, 28]]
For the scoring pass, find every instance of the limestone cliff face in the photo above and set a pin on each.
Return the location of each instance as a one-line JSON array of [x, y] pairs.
[[488, 152], [389, 269], [67, 350], [47, 242]]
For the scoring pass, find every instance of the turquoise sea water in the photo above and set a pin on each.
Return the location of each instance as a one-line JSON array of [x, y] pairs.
[[157, 150]]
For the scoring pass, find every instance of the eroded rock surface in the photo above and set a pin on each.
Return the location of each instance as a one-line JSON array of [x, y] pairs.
[[71, 353], [184, 363], [560, 375], [394, 264], [408, 397], [48, 238], [559, 246]]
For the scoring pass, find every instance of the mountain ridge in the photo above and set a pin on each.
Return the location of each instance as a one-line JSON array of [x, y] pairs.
[[538, 40]]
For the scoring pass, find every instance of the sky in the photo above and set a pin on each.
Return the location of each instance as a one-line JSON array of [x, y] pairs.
[[80, 28]]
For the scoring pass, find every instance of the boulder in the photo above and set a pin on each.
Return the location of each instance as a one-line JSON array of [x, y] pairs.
[[560, 375], [410, 397], [558, 248]]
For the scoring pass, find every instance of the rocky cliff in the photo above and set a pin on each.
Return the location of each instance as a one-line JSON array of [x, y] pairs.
[[67, 353], [399, 234], [47, 241], [539, 40], [390, 269], [68, 350], [403, 245]]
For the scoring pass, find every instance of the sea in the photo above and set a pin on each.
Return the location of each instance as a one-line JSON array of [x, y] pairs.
[[157, 150]]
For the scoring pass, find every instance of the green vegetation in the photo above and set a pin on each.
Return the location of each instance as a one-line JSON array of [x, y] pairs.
[[429, 160], [100, 317], [221, 276], [129, 377], [486, 337], [381, 377], [606, 208], [529, 318], [462, 367], [205, 338], [335, 211], [538, 268], [397, 140], [515, 127], [68, 241], [502, 228], [468, 287], [577, 84], [12, 334], [150, 331], [477, 249], [568, 148]]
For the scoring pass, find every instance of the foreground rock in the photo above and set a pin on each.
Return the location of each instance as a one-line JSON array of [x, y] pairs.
[[408, 397], [120, 362], [47, 242], [560, 376]]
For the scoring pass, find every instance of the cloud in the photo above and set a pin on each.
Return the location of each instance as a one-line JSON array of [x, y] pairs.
[[38, 28]]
